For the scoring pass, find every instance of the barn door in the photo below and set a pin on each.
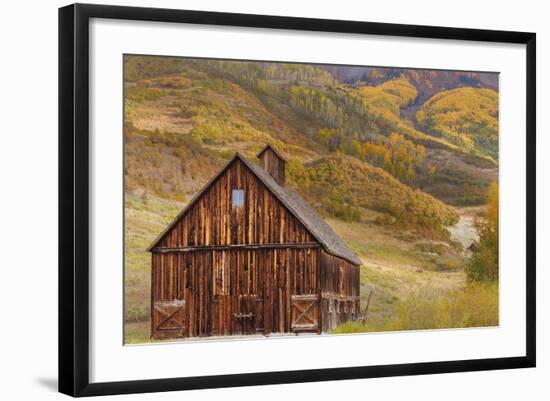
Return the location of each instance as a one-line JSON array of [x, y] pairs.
[[169, 319], [305, 313], [245, 315]]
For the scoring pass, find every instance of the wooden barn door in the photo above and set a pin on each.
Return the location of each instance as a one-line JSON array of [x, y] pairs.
[[305, 313], [169, 319], [245, 315], [233, 307]]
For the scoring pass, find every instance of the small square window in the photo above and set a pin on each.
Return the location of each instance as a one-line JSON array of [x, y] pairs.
[[237, 198]]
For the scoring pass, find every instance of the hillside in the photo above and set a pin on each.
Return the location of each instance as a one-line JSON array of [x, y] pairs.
[[363, 113], [303, 111], [343, 187], [176, 142], [426, 82], [467, 117]]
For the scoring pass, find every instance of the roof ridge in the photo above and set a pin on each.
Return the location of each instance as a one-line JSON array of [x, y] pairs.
[[269, 146]]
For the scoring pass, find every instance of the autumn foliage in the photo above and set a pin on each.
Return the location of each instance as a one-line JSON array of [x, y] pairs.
[[483, 265], [467, 117]]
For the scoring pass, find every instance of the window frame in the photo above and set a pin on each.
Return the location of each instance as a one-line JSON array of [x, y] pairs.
[[239, 198]]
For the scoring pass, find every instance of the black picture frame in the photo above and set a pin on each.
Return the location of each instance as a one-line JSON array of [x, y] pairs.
[[74, 198]]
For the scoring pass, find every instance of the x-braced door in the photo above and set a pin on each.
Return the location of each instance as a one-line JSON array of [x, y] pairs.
[[169, 318], [305, 313]]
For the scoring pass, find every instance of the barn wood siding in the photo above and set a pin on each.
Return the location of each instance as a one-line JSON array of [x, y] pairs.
[[339, 286], [205, 289], [274, 165], [213, 221]]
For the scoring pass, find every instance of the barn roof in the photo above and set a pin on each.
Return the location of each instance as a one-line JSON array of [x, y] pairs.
[[307, 216], [294, 203]]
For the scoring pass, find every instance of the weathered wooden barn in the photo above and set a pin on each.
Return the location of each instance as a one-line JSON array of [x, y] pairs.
[[248, 255]]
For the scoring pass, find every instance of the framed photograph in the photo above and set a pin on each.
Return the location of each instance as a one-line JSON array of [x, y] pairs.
[[249, 199]]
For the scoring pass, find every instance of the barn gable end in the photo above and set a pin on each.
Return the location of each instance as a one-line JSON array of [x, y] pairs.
[[210, 219], [271, 214]]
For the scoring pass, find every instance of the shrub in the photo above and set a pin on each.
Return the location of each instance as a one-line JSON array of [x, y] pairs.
[[476, 305], [344, 185], [384, 219], [483, 264], [174, 82], [144, 94]]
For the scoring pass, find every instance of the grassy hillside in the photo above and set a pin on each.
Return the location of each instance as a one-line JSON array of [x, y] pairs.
[[467, 117], [144, 216]]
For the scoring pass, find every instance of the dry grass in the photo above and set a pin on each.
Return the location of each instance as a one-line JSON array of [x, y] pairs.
[[145, 217], [393, 268], [474, 305]]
